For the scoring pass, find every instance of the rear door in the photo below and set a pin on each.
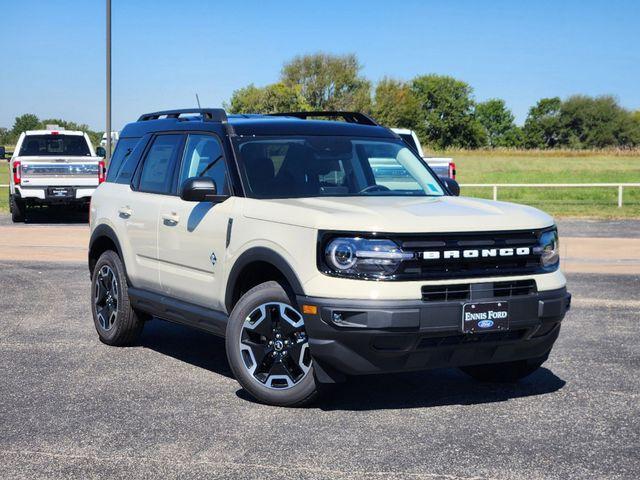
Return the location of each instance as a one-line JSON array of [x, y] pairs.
[[192, 235], [140, 210]]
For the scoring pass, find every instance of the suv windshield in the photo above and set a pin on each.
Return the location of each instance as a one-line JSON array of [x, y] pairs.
[[313, 166], [54, 145]]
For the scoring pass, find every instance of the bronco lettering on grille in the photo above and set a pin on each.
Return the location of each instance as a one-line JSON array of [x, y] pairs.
[[476, 253]]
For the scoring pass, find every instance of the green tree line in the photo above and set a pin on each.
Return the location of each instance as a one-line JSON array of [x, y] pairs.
[[29, 121], [441, 109]]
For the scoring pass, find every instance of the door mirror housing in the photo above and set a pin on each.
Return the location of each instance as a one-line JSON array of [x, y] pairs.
[[452, 186], [101, 152], [200, 189], [3, 152]]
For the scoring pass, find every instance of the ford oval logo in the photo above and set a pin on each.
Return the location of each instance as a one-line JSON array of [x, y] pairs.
[[485, 323]]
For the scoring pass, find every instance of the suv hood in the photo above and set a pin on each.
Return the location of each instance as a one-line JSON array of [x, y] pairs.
[[398, 214]]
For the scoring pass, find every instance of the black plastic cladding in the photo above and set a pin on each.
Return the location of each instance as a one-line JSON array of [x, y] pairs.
[[442, 270]]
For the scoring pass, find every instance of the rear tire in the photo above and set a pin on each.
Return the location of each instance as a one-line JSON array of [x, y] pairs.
[[17, 209], [267, 348], [115, 320], [507, 372]]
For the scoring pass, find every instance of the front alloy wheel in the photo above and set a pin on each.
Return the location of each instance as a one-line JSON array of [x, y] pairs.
[[268, 348], [274, 346]]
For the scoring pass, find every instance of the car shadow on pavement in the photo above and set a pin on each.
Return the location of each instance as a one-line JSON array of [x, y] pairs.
[[54, 215], [194, 347], [433, 388]]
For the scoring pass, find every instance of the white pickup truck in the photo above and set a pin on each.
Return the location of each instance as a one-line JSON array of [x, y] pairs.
[[442, 166], [53, 167]]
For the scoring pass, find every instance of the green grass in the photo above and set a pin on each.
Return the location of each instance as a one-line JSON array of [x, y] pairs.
[[533, 167], [4, 180], [543, 167]]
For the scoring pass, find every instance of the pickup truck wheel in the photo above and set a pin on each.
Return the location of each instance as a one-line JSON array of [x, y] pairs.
[[115, 320], [17, 209], [507, 372], [268, 350]]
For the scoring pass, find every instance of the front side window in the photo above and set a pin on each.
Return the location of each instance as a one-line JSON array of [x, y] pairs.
[[203, 157], [159, 164], [314, 166], [54, 145]]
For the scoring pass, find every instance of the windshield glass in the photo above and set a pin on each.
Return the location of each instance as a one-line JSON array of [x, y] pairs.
[[54, 145], [315, 166]]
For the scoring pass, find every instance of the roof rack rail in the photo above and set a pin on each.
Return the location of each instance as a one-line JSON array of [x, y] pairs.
[[349, 117], [213, 114]]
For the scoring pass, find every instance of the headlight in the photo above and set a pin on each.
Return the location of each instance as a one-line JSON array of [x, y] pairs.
[[364, 256], [549, 249]]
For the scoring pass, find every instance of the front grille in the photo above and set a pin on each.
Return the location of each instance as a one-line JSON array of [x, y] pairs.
[[453, 340], [514, 288], [446, 293], [477, 291], [487, 246]]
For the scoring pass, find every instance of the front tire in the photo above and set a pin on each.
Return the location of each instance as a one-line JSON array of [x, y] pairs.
[[507, 372], [115, 320], [17, 209], [267, 348]]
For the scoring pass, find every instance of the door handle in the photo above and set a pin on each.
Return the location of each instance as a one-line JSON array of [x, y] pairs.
[[170, 219], [125, 212]]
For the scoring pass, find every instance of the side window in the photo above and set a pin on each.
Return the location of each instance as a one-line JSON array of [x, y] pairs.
[[123, 149], [159, 165], [203, 157]]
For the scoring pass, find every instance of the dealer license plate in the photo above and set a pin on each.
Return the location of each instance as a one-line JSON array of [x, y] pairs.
[[482, 317]]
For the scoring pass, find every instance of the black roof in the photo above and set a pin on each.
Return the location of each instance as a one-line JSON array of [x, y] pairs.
[[251, 124]]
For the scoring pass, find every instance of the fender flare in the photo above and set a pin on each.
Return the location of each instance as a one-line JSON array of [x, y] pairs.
[[260, 254], [104, 231]]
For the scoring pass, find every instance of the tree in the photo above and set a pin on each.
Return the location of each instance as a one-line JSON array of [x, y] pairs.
[[587, 122], [309, 82], [28, 121], [446, 112], [329, 82], [395, 104], [273, 98], [541, 128], [498, 123]]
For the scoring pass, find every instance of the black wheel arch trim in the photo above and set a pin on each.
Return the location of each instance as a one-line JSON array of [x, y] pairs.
[[260, 254], [102, 231]]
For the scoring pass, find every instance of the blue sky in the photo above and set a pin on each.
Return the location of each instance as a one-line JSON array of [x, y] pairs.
[[52, 53]]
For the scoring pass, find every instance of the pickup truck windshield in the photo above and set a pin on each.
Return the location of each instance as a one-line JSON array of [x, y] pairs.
[[315, 166], [54, 145]]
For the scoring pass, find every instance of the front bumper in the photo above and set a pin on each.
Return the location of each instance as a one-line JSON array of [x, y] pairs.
[[358, 337]]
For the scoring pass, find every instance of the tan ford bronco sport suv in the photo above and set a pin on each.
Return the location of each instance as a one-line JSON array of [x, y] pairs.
[[320, 245]]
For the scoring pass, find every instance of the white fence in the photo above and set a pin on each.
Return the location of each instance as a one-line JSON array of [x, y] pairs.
[[494, 186]]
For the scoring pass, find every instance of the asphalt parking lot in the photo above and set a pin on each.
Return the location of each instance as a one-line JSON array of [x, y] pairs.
[[71, 407]]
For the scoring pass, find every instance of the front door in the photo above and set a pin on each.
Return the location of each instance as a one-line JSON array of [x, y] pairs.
[[192, 235], [139, 209]]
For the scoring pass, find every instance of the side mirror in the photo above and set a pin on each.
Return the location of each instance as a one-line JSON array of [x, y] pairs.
[[3, 152], [101, 152], [199, 189], [452, 186]]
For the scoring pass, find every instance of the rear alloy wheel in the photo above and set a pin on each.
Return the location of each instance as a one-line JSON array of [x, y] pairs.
[[268, 349], [115, 320]]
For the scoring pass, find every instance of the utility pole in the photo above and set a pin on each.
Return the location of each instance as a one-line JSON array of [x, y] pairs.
[[108, 80]]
